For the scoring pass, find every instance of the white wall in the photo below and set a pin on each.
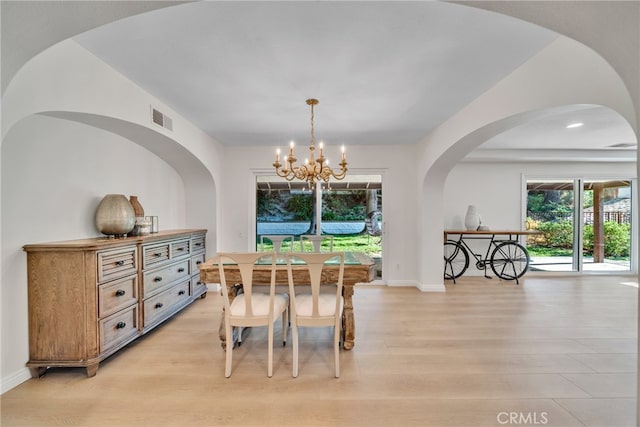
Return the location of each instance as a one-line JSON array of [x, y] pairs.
[[400, 260]]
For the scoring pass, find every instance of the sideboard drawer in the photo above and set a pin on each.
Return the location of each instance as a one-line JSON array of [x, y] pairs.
[[198, 243], [196, 260], [162, 305], [117, 263], [152, 255], [154, 280], [180, 248], [116, 295], [118, 328], [198, 287]]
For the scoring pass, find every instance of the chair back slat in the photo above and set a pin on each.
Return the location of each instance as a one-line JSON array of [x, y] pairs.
[[315, 265], [246, 263]]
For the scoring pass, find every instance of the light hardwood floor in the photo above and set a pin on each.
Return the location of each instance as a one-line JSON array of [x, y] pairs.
[[552, 351]]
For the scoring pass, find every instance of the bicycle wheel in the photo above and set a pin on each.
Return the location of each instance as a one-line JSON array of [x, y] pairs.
[[456, 260], [509, 260]]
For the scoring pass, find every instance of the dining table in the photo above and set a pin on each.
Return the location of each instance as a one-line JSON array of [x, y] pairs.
[[358, 268]]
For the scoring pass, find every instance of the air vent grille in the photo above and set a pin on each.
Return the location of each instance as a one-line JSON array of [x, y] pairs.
[[161, 119], [624, 145]]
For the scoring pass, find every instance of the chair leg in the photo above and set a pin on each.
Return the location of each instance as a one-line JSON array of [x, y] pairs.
[[294, 335], [229, 349], [336, 350], [270, 352], [285, 322]]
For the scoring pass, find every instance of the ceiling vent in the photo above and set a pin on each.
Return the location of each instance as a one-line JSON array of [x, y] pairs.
[[624, 145], [161, 119]]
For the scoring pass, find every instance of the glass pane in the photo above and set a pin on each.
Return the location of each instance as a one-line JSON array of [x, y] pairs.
[[352, 214], [550, 210], [282, 210], [607, 225]]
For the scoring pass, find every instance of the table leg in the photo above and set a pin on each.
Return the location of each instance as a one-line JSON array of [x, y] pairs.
[[347, 318]]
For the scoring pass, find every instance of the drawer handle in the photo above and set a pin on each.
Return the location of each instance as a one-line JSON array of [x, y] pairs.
[[119, 263], [157, 279], [180, 249], [181, 293], [159, 305], [198, 262], [200, 283], [120, 325], [120, 292], [198, 244], [181, 270], [158, 254]]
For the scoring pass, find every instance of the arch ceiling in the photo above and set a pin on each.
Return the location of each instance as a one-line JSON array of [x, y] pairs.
[[385, 72]]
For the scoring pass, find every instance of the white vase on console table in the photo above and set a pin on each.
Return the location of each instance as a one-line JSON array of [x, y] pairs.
[[472, 218]]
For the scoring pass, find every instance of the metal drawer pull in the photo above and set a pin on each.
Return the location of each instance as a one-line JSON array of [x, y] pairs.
[[120, 292], [198, 244], [181, 270], [159, 305], [200, 283], [120, 325], [181, 293], [119, 263], [157, 279], [158, 254], [198, 262]]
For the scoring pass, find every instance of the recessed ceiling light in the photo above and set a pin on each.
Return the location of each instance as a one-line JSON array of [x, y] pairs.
[[574, 125]]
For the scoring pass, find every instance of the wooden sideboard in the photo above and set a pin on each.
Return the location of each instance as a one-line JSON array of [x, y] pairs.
[[89, 298]]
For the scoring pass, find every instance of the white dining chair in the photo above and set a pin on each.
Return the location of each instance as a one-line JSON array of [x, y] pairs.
[[319, 307], [251, 309], [314, 241], [277, 240]]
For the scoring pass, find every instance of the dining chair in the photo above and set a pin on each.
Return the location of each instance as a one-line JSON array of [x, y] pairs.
[[277, 240], [248, 308], [319, 307], [316, 242]]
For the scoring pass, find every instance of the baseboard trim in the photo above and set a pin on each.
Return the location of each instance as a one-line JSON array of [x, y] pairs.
[[435, 287], [402, 283], [15, 380]]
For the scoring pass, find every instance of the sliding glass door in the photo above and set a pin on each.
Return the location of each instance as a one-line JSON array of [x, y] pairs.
[[349, 210], [606, 233], [584, 224]]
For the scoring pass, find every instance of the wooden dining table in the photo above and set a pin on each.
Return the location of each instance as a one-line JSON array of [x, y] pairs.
[[358, 268]]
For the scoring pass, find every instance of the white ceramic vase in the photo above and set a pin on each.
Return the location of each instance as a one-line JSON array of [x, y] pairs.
[[472, 218], [115, 215]]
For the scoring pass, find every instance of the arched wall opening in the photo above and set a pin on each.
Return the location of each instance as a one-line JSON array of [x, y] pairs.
[[200, 189], [56, 167], [433, 187]]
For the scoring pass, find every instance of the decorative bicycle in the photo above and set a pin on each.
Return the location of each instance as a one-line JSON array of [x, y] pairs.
[[508, 259]]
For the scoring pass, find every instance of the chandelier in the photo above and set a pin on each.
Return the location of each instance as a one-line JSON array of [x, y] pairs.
[[313, 169]]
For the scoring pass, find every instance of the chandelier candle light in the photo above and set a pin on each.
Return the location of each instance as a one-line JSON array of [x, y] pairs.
[[313, 169]]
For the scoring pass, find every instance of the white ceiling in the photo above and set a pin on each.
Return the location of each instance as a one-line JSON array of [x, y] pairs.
[[384, 72]]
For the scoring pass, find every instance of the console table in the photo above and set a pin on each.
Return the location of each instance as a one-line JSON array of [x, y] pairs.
[[89, 298]]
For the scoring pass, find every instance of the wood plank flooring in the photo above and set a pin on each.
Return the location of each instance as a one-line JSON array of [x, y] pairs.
[[551, 351]]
